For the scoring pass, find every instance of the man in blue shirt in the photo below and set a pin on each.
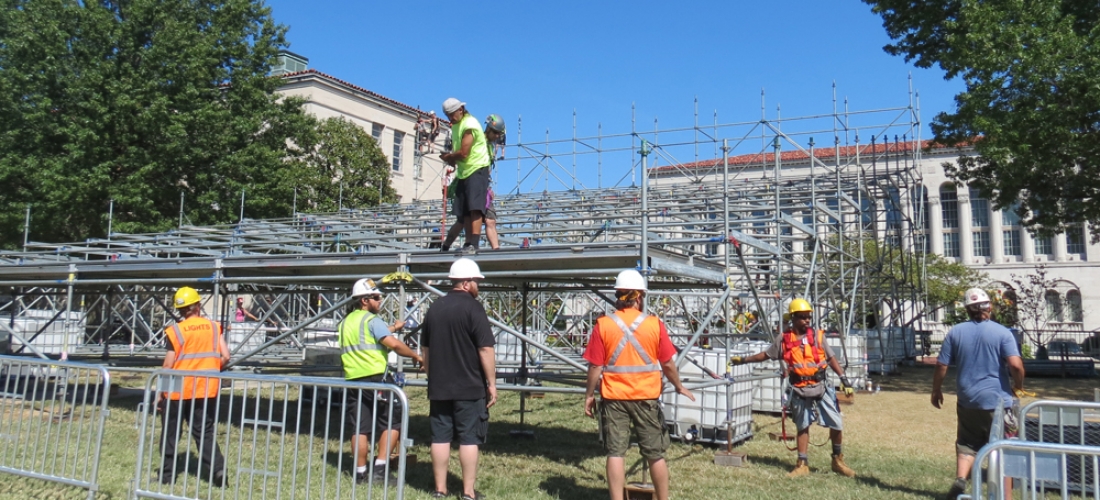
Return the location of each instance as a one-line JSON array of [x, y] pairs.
[[986, 355]]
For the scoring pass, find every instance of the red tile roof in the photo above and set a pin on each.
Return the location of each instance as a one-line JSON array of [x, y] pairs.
[[798, 155], [414, 110]]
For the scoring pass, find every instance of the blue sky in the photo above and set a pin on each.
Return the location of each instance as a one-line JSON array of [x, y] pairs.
[[545, 60]]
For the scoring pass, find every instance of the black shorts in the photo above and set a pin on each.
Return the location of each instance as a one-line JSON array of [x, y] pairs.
[[464, 421], [472, 193], [375, 410]]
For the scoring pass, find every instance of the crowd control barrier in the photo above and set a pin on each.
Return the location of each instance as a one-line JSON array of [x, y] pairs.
[[282, 437], [52, 415]]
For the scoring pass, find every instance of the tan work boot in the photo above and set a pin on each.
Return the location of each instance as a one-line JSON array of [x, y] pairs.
[[841, 468], [800, 469]]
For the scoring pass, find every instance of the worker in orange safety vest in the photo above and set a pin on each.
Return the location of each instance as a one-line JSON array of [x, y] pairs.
[[194, 344], [627, 353], [806, 355]]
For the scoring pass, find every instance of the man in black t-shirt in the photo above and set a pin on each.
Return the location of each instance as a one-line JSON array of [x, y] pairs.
[[457, 352]]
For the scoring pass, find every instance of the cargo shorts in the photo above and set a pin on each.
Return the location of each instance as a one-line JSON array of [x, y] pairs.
[[648, 420]]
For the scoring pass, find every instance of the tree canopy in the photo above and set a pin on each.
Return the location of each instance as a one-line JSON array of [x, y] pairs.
[[1031, 108], [342, 166], [138, 102]]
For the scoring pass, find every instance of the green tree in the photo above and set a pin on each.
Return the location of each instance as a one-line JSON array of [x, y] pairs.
[[138, 101], [893, 277], [1031, 102], [341, 165]]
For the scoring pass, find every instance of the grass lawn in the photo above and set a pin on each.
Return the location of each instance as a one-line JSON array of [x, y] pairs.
[[899, 445]]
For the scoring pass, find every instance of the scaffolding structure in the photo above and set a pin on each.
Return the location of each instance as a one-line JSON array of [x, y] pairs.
[[726, 242]]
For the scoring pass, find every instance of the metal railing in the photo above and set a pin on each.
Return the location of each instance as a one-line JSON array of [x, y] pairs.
[[282, 437], [1042, 466], [52, 415]]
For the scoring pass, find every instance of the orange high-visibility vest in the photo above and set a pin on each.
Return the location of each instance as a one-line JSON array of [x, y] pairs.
[[631, 370], [196, 341], [805, 360]]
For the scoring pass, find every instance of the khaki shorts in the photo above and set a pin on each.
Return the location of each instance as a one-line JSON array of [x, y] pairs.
[[649, 425]]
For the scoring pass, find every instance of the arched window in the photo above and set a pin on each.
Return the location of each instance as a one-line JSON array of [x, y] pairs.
[[1053, 306], [949, 206], [1073, 301]]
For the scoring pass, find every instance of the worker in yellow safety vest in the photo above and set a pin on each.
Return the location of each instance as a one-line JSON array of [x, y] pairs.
[[806, 355], [365, 343], [194, 344], [627, 353]]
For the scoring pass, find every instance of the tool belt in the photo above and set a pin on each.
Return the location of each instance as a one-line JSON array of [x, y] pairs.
[[796, 379]]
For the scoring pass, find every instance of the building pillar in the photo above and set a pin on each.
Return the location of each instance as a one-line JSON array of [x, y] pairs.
[[996, 237], [935, 224], [1059, 242], [1027, 245], [966, 235]]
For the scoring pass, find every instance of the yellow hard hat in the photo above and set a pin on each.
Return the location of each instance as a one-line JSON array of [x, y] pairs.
[[799, 305], [186, 296]]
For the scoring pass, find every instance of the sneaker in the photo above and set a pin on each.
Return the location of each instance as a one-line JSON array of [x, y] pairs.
[[841, 468], [361, 478], [800, 469], [957, 488], [438, 494], [477, 496], [469, 250]]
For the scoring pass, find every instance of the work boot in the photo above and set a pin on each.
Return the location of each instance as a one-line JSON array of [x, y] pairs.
[[841, 468], [802, 468], [957, 488], [218, 479]]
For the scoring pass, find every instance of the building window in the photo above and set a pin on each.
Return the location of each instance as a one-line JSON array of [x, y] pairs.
[[1010, 222], [398, 139], [1044, 245], [951, 245], [979, 209], [1053, 306], [1012, 241], [949, 205], [981, 243], [1073, 300], [867, 211], [893, 208], [376, 130], [1075, 239]]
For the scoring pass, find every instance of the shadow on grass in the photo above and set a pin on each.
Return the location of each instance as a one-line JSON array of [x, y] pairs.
[[918, 379], [567, 487], [877, 483]]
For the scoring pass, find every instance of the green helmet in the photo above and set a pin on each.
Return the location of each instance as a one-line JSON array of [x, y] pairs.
[[495, 123]]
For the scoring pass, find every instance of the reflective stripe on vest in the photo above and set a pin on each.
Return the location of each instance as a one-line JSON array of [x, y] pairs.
[[203, 359], [360, 353], [197, 355], [628, 337], [807, 368]]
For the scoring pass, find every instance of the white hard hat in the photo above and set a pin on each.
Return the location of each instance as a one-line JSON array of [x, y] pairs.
[[451, 105], [465, 269], [630, 280], [975, 296], [363, 287]]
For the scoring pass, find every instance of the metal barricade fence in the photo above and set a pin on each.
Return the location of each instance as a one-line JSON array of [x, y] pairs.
[[1064, 422], [52, 415], [1037, 464], [268, 437]]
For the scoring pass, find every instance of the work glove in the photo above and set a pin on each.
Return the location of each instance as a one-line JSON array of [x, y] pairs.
[[846, 386], [1020, 393], [737, 360]]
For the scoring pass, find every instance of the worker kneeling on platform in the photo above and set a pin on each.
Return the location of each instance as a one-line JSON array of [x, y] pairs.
[[805, 355], [631, 349], [365, 343], [194, 344]]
